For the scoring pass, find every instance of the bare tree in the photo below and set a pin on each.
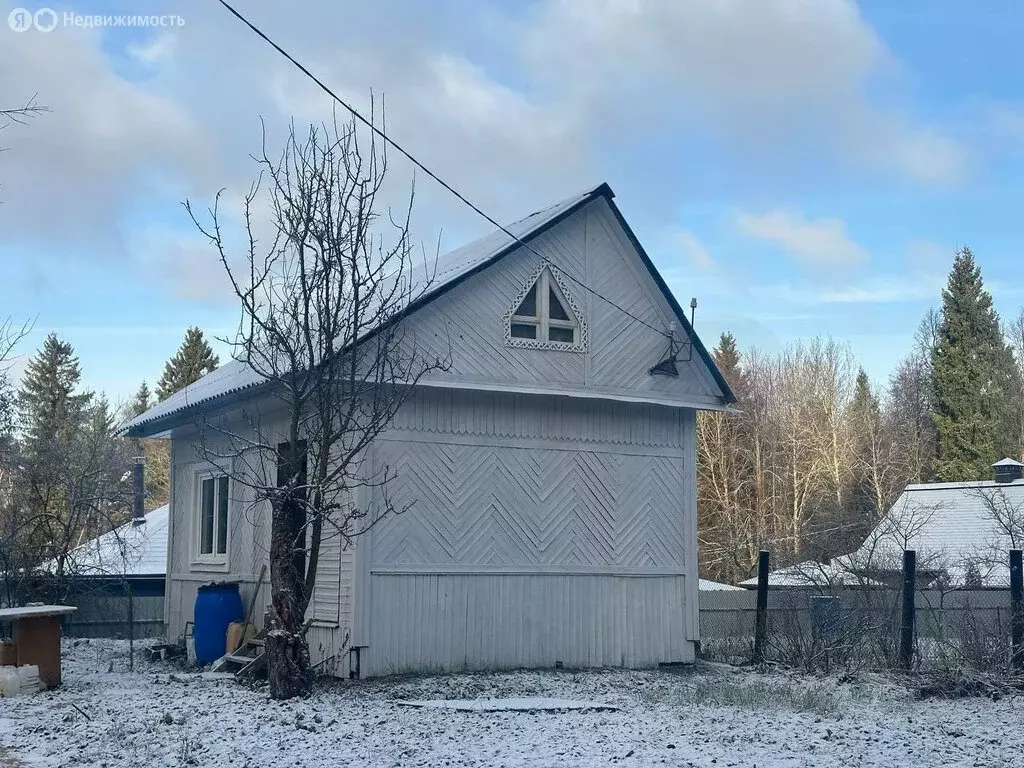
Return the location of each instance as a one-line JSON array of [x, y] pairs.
[[322, 310], [79, 489], [19, 115], [1016, 334]]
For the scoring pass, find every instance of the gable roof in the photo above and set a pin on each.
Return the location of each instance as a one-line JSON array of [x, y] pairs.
[[450, 270], [949, 523], [128, 550]]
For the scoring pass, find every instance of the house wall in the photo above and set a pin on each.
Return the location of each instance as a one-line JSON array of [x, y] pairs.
[[248, 544], [538, 530], [466, 325], [551, 494]]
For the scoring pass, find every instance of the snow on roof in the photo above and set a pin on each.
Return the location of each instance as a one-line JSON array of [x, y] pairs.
[[948, 523], [1008, 462], [838, 572], [128, 550], [449, 268], [950, 526], [706, 585]]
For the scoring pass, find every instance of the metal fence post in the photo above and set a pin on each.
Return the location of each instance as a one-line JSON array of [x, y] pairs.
[[1017, 608], [761, 620], [907, 622]]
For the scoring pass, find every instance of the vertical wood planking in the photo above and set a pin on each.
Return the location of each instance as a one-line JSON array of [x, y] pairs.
[[567, 619]]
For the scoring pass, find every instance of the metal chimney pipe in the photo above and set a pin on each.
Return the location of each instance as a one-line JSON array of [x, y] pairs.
[[139, 491]]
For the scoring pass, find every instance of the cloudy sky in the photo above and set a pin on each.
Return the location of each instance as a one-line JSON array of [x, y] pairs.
[[801, 166]]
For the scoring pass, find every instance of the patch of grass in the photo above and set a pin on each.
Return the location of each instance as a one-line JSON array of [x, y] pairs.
[[759, 693]]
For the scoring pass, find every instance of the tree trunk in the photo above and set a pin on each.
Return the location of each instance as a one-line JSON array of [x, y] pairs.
[[288, 667]]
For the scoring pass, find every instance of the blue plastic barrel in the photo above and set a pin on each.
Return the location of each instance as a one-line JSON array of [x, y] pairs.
[[217, 605]]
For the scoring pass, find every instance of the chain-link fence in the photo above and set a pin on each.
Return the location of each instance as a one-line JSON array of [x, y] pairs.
[[860, 627]]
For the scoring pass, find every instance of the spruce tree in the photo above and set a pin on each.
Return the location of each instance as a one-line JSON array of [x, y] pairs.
[[973, 378], [864, 417], [727, 357], [50, 407], [141, 400], [729, 360], [193, 359]]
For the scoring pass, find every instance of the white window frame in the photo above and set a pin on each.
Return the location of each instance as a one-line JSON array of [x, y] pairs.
[[547, 281], [212, 561]]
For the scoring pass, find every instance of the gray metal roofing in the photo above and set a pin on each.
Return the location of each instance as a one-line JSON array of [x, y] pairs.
[[946, 517], [949, 525], [128, 550], [450, 267], [445, 273]]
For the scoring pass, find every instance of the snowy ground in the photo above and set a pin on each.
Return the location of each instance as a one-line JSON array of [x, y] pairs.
[[715, 716]]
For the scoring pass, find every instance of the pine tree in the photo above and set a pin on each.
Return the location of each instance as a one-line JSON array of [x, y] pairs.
[[973, 378], [193, 359], [49, 406], [141, 401]]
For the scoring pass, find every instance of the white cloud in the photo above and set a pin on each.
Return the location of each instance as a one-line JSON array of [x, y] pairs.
[[582, 79], [159, 48], [798, 73], [106, 141], [883, 290], [683, 243], [822, 242]]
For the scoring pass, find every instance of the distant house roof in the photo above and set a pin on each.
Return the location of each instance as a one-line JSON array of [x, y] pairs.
[[950, 525], [838, 572], [449, 270], [128, 550], [706, 585]]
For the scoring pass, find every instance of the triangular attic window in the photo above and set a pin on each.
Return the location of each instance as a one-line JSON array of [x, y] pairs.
[[543, 314]]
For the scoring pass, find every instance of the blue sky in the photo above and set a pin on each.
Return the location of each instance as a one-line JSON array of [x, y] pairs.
[[801, 167]]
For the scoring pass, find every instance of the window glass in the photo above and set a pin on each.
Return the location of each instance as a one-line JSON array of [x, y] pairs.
[[565, 335], [528, 308], [206, 519], [222, 516], [555, 309], [524, 331]]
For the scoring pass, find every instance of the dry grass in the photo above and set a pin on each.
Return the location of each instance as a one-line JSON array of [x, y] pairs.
[[752, 691]]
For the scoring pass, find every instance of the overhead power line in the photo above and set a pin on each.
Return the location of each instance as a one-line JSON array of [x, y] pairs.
[[411, 158]]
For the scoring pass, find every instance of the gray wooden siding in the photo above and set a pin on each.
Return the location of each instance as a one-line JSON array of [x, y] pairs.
[[249, 542], [592, 248], [534, 534], [493, 620]]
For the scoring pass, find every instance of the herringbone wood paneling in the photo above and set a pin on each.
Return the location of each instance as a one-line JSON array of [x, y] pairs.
[[488, 505]]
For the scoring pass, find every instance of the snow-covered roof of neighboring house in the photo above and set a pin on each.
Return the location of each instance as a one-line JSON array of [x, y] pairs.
[[706, 585], [436, 278], [128, 550], [949, 526], [952, 527], [839, 572]]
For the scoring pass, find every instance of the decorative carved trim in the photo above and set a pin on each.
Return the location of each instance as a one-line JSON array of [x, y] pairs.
[[553, 346]]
